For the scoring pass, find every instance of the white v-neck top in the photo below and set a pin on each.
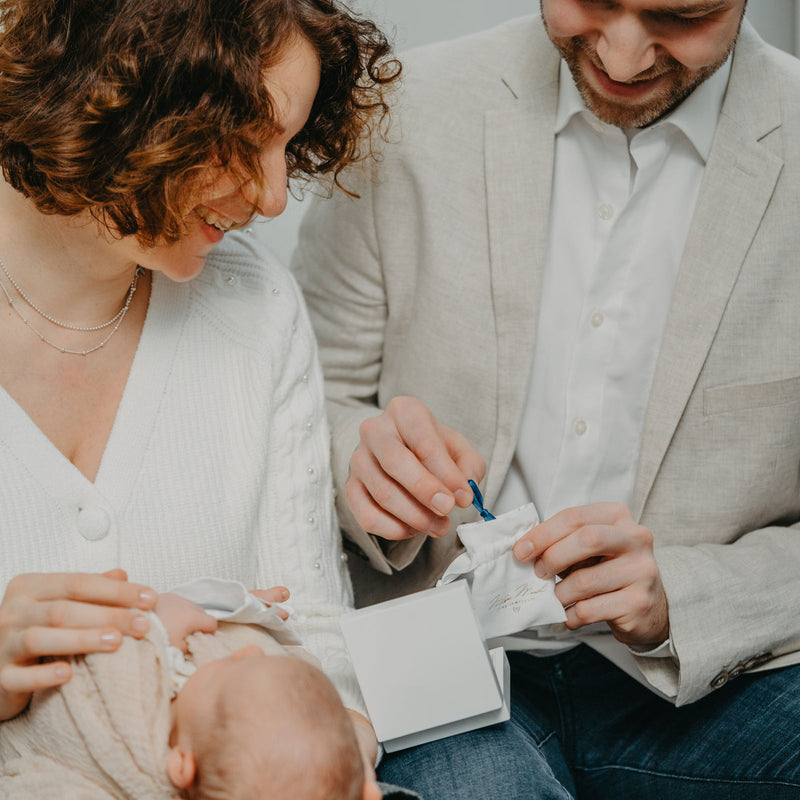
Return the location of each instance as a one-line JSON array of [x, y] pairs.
[[217, 464]]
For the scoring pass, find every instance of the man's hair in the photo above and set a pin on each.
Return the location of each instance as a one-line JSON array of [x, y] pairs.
[[289, 738], [117, 106]]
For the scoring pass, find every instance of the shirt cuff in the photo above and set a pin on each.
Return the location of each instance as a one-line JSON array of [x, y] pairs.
[[663, 650]]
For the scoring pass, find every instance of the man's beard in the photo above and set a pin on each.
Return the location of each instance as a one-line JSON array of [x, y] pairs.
[[678, 82]]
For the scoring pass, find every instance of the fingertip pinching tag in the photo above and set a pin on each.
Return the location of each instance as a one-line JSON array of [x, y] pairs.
[[477, 501]]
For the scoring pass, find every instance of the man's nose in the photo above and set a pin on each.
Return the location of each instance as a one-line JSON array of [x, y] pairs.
[[625, 48]]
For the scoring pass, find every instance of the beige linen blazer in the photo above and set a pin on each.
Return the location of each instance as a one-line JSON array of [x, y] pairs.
[[428, 285]]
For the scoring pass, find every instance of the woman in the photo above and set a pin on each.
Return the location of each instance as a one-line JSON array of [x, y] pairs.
[[171, 428]]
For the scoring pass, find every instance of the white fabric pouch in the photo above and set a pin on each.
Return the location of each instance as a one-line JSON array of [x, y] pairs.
[[507, 595]]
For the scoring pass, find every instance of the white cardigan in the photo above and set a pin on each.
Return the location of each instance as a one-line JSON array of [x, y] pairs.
[[218, 462]]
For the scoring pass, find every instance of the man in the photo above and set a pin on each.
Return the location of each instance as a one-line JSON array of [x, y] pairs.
[[579, 265]]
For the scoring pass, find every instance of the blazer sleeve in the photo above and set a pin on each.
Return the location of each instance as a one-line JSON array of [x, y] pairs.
[[338, 265]]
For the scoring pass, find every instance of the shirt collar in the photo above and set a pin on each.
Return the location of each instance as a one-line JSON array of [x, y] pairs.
[[696, 116]]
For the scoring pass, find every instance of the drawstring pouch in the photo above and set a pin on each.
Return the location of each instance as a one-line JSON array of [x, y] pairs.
[[507, 595]]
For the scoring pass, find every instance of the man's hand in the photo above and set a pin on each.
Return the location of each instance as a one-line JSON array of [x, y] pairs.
[[409, 471], [608, 570], [44, 616]]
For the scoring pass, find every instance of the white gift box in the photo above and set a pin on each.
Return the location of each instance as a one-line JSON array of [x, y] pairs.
[[424, 669]]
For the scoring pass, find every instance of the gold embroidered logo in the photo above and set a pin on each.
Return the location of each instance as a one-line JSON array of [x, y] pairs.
[[516, 599]]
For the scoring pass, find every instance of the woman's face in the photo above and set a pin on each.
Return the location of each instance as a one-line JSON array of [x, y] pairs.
[[226, 203]]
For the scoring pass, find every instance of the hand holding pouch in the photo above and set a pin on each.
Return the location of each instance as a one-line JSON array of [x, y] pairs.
[[508, 596]]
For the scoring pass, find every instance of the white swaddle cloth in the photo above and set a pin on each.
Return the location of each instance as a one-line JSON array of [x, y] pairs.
[[507, 595]]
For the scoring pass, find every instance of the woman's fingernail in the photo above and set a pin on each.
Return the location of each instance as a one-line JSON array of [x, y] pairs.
[[62, 672], [523, 550], [442, 502], [110, 639], [139, 624], [148, 597], [285, 594]]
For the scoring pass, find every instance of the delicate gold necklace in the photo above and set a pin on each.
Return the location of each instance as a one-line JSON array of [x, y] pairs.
[[116, 320]]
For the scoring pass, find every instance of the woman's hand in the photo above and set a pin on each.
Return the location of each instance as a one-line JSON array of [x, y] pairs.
[[277, 594], [43, 616], [608, 570], [409, 472]]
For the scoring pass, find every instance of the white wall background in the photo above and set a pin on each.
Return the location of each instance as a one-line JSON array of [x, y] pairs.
[[414, 22]]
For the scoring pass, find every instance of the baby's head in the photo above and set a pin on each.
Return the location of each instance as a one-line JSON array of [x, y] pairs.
[[258, 727]]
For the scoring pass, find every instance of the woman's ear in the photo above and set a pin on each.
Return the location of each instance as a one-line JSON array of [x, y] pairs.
[[181, 768], [371, 791]]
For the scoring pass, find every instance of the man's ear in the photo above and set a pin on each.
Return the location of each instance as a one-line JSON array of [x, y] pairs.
[[181, 768], [371, 791]]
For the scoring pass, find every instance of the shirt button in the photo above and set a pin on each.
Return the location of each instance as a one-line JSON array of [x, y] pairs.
[[343, 557], [309, 426], [579, 427], [230, 280], [304, 378], [597, 319], [93, 522], [311, 519], [605, 211], [310, 471]]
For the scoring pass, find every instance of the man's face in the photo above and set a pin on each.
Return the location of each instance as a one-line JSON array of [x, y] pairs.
[[635, 60]]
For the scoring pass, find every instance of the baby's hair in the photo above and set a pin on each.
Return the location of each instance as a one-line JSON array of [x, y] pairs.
[[289, 739]]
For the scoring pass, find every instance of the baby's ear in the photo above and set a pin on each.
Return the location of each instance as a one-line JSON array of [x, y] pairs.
[[181, 768], [371, 791]]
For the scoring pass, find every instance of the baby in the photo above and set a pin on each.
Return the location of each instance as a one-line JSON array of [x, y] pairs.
[[196, 709]]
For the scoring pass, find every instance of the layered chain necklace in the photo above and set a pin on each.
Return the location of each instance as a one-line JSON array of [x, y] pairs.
[[116, 320]]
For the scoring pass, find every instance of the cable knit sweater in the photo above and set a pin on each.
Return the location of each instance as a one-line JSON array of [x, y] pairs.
[[217, 464]]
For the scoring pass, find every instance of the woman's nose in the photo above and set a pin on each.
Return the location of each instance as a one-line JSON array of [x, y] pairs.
[[268, 195]]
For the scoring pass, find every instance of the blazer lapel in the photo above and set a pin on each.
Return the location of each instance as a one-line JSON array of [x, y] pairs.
[[739, 179], [519, 167]]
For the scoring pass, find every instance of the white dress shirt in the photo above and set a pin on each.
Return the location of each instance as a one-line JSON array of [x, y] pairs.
[[622, 203]]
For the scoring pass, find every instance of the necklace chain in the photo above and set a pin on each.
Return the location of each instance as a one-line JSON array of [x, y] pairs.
[[116, 320]]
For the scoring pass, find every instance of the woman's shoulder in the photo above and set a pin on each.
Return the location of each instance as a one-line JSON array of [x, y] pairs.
[[246, 290]]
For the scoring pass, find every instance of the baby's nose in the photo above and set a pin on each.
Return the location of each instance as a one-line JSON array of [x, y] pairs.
[[247, 652]]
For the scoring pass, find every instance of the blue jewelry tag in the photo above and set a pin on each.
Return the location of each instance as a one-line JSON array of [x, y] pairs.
[[477, 501]]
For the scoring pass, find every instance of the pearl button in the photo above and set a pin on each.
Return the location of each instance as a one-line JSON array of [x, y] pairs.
[[343, 557], [230, 280], [597, 319], [310, 471], [606, 211], [579, 427], [276, 291], [93, 522], [248, 230], [317, 565], [309, 426], [304, 379], [311, 519]]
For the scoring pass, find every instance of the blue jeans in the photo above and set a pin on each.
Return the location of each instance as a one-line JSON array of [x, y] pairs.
[[582, 729]]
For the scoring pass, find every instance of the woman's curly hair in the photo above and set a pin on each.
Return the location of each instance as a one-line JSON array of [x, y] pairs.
[[118, 106]]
